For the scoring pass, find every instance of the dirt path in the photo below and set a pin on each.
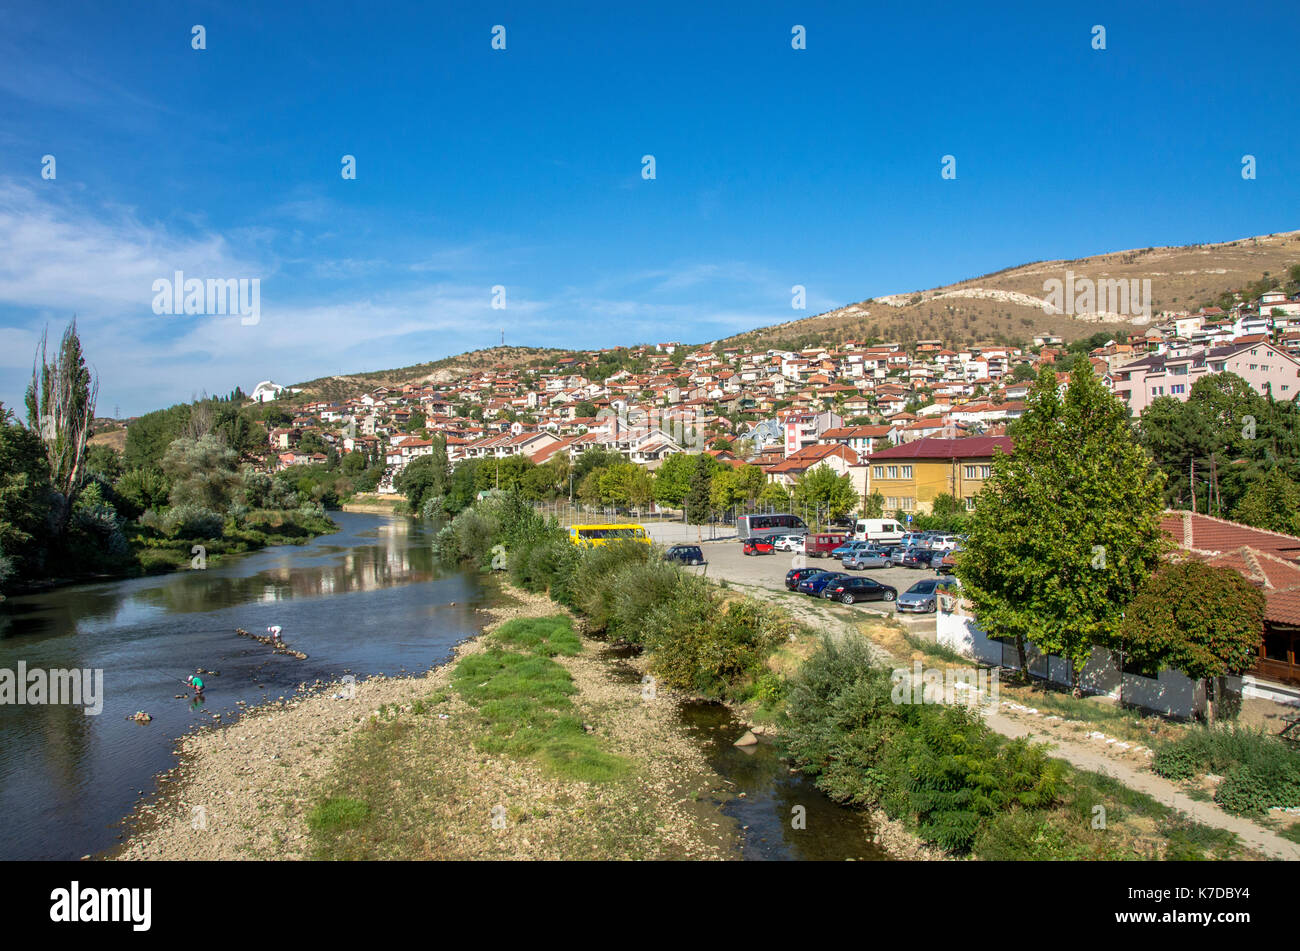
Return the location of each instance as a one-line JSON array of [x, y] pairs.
[[1158, 788]]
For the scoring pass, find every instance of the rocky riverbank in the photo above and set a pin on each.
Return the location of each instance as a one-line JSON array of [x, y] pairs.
[[248, 790]]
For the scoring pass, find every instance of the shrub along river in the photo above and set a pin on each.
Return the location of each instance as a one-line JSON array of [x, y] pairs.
[[368, 599]]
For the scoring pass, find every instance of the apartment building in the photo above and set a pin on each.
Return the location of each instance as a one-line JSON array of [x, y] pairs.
[[1265, 367], [911, 475]]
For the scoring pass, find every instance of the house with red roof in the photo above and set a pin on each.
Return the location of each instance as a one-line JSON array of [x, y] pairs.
[[1271, 562]]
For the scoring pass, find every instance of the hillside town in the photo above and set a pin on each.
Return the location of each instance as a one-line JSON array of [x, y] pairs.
[[867, 410]]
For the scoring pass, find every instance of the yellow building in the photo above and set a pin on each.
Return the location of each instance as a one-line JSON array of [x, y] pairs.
[[910, 476]]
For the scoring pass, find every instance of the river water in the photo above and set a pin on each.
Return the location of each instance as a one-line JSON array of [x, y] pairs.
[[368, 599]]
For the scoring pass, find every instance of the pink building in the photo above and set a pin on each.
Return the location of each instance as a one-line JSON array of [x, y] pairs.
[[1266, 368]]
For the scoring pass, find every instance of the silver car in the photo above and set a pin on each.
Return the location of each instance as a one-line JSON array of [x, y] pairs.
[[923, 597], [865, 558]]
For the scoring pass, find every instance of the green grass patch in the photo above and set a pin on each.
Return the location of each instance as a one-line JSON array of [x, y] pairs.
[[524, 699], [1259, 771], [937, 651], [337, 814]]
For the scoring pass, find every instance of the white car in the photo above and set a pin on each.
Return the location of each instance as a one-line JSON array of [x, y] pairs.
[[788, 542]]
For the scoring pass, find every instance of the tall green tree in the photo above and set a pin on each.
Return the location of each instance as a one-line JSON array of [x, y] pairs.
[[1068, 527], [699, 497], [1272, 503], [820, 489], [24, 495]]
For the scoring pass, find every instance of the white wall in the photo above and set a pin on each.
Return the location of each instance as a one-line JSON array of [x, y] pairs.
[[1171, 693]]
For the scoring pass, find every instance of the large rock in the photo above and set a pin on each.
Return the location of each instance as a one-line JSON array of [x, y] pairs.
[[749, 739]]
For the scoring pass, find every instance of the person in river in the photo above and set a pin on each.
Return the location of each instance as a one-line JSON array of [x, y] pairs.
[[275, 634], [196, 682]]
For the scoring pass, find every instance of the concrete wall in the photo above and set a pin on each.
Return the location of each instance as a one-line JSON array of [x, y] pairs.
[[1171, 693]]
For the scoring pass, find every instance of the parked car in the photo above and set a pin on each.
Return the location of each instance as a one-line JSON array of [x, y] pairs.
[[796, 575], [686, 554], [948, 562], [923, 597], [788, 542], [853, 589], [912, 558], [758, 546], [942, 541], [927, 557], [816, 546], [910, 539], [813, 584], [848, 548], [866, 558]]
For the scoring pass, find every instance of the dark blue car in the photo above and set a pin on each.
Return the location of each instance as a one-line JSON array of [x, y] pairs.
[[813, 584]]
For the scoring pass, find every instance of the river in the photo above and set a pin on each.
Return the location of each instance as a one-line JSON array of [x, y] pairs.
[[368, 599]]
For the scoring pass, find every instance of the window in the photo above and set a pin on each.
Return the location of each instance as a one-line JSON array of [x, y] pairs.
[[893, 472], [970, 472], [891, 502], [1177, 388], [970, 503], [907, 472], [878, 472]]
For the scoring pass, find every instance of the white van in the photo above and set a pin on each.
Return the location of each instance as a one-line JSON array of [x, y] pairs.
[[877, 530]]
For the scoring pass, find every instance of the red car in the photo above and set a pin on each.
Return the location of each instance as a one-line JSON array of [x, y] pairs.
[[759, 546]]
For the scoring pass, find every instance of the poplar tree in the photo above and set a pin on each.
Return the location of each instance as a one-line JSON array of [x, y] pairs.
[[60, 408]]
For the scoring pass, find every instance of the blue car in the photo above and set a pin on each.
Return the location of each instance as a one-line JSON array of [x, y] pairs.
[[813, 584], [848, 548]]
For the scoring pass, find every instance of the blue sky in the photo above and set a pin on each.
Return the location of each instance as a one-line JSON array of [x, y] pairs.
[[522, 167]]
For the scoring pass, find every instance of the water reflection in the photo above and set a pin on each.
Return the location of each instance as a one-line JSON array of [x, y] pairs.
[[368, 599]]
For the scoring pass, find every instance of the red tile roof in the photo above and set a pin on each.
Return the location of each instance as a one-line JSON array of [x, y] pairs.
[[936, 448], [1206, 534]]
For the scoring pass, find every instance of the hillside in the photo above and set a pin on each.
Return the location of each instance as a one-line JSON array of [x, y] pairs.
[[1004, 307], [1007, 306], [436, 371]]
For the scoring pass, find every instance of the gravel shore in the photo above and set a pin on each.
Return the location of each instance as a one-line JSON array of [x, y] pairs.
[[244, 790]]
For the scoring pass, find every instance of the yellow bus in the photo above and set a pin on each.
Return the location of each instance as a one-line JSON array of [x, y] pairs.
[[603, 534]]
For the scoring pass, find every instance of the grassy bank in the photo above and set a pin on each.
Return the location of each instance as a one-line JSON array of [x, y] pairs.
[[372, 503], [154, 552]]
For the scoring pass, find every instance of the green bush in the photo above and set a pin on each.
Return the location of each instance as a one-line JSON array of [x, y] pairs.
[[699, 645], [1252, 789], [1222, 749], [936, 767]]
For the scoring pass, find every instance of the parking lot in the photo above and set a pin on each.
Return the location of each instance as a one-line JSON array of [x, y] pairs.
[[727, 562]]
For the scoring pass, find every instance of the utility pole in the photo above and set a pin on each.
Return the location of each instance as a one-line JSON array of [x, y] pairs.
[[1191, 479]]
